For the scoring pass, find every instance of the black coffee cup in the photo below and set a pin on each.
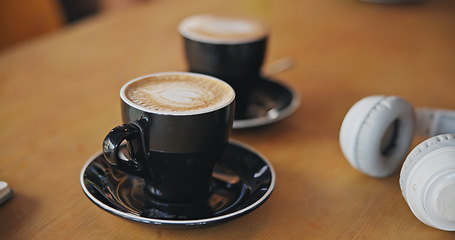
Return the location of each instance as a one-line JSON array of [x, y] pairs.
[[173, 147], [229, 48]]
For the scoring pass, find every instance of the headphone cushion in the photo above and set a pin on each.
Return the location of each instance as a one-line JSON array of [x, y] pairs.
[[424, 148], [371, 124], [427, 181]]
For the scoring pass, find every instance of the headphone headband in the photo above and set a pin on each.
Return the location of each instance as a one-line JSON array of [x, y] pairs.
[[432, 122]]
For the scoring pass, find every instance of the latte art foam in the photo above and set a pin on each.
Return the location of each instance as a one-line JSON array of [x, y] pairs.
[[222, 29], [178, 93]]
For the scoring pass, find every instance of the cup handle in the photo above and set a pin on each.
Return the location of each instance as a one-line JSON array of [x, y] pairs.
[[132, 134]]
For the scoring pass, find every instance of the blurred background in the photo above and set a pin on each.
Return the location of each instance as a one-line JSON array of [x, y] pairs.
[[21, 20]]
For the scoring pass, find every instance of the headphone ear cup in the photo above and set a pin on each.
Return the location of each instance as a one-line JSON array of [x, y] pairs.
[[376, 134], [427, 181]]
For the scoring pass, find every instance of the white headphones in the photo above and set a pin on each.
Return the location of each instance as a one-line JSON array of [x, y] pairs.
[[375, 137]]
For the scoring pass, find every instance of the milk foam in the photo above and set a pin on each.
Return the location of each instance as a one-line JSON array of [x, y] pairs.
[[213, 28], [179, 93]]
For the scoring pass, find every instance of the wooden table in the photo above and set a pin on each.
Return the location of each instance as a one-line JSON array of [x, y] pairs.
[[59, 97]]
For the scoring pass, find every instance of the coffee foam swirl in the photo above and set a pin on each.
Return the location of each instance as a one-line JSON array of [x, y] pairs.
[[222, 29], [182, 94], [179, 97]]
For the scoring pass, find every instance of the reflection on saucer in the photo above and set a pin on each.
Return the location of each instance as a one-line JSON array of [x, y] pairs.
[[243, 180], [270, 101]]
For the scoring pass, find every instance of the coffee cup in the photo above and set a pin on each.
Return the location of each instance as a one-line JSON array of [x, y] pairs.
[[229, 48], [176, 126]]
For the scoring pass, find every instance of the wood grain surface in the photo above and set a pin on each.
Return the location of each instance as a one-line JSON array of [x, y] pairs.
[[59, 96]]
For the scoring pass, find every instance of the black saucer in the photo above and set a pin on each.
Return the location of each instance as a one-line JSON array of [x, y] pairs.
[[270, 101], [243, 178]]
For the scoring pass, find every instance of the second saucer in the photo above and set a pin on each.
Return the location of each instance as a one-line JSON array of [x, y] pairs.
[[269, 102]]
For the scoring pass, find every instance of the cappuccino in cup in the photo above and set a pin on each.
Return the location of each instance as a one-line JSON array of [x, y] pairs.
[[230, 48], [176, 126]]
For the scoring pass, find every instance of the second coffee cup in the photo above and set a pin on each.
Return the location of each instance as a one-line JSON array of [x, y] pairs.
[[176, 126], [226, 47]]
